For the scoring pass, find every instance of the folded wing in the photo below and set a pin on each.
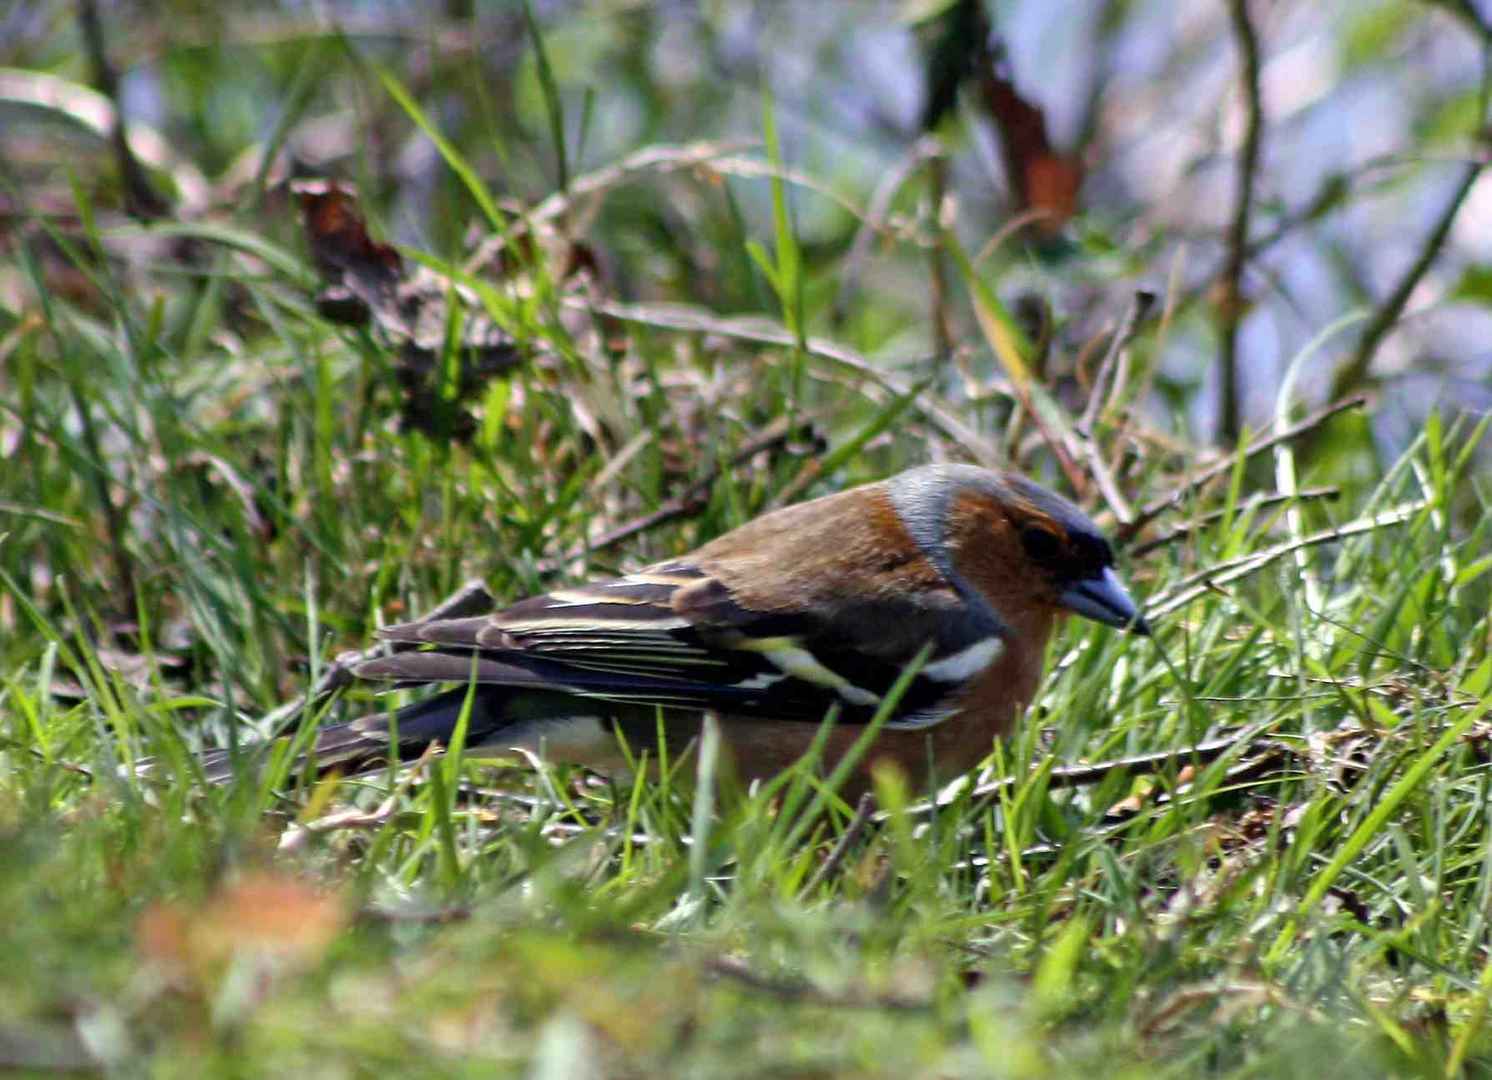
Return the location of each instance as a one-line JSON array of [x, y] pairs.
[[673, 636]]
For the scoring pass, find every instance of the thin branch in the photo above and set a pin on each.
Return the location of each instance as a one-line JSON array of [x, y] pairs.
[[1058, 442], [658, 160], [1335, 188], [1201, 754], [1129, 325], [1351, 374], [1107, 486], [1208, 580], [1258, 502], [1331, 194], [874, 222], [691, 319], [739, 971], [1179, 495], [1070, 776], [937, 270], [1012, 226], [1232, 306], [863, 811], [1092, 453], [692, 500], [140, 199]]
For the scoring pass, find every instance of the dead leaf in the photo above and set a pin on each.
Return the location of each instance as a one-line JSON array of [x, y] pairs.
[[367, 283], [266, 916], [1043, 179]]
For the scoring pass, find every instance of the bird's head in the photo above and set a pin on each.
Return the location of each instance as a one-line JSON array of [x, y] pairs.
[[1014, 542]]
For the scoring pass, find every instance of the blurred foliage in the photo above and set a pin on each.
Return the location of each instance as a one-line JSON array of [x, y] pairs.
[[598, 281]]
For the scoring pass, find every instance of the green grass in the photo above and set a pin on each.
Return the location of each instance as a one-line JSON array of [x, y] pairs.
[[207, 493]]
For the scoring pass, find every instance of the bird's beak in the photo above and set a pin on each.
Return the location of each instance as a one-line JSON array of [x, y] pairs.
[[1103, 598]]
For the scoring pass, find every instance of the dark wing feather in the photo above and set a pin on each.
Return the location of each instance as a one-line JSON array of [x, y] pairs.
[[671, 636]]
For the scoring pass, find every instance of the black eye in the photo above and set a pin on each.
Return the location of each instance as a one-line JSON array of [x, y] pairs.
[[1041, 544], [1091, 553]]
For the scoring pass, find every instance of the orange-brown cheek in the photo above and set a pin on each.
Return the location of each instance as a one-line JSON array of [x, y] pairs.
[[983, 543], [988, 552]]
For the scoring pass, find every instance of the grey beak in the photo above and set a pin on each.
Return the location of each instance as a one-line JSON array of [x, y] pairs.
[[1104, 599]]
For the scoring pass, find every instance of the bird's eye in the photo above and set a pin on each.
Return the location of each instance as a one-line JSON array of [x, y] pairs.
[[1041, 544]]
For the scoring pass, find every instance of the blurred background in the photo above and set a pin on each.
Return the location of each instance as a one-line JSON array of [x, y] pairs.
[[1117, 131], [363, 300]]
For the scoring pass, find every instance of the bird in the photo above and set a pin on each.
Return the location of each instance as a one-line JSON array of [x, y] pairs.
[[958, 572]]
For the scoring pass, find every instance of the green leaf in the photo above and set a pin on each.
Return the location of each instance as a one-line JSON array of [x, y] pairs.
[[1004, 335], [1475, 285], [788, 280], [1052, 988], [453, 158], [553, 108]]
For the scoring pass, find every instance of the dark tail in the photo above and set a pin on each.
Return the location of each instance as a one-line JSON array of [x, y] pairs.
[[364, 744]]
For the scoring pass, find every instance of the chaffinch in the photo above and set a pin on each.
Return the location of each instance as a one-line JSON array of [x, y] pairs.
[[820, 604]]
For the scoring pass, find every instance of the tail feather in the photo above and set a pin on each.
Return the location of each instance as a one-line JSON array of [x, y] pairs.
[[364, 744]]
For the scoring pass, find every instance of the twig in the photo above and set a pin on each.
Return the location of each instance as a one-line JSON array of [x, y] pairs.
[[1258, 502], [691, 500], [140, 199], [1011, 227], [1331, 194], [1103, 478], [1238, 230], [1352, 373], [295, 837], [937, 270], [1069, 776], [718, 157], [739, 971], [652, 159], [764, 332], [874, 222], [755, 168], [1208, 580], [1175, 498], [863, 811], [1058, 442], [1092, 453], [1129, 325]]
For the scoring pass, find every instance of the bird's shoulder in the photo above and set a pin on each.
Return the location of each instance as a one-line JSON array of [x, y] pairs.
[[810, 557]]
